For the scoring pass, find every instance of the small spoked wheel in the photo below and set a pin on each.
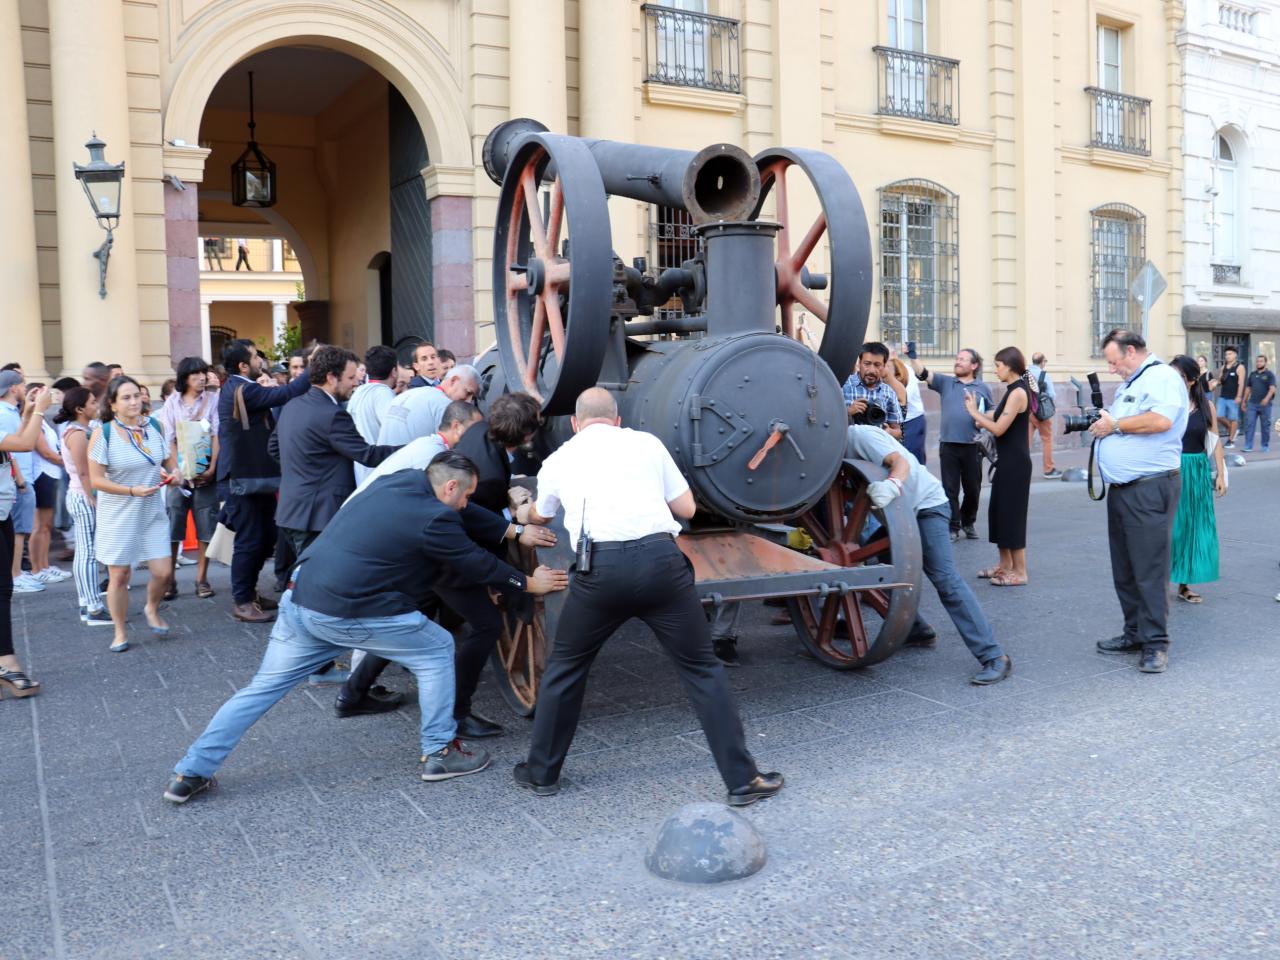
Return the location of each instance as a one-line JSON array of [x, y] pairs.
[[555, 264], [863, 627]]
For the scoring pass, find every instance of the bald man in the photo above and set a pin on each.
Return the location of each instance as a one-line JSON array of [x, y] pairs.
[[623, 493]]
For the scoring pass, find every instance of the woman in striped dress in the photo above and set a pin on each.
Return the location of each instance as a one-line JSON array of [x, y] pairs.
[[79, 410], [128, 465]]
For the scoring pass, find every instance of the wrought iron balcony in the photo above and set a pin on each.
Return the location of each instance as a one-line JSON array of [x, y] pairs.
[[1120, 122], [918, 85], [686, 49]]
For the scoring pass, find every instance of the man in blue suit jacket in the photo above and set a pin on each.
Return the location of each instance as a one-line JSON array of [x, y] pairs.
[[316, 442], [361, 585], [247, 475]]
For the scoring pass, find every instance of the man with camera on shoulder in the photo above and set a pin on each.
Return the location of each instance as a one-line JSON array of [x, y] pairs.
[[1139, 449]]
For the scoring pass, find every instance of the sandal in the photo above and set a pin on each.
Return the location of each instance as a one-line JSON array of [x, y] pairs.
[[17, 683], [1185, 594], [171, 591], [1008, 580], [203, 590], [990, 573]]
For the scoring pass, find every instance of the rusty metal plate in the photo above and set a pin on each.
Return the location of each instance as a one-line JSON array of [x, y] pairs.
[[739, 555]]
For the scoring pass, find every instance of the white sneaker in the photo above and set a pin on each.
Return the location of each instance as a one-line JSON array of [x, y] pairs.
[[54, 575], [26, 583], [185, 561], [1278, 598]]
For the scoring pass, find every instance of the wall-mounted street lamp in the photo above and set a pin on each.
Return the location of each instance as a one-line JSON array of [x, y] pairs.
[[253, 176], [102, 182]]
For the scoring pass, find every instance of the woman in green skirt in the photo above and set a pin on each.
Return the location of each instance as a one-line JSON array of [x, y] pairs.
[[1195, 533]]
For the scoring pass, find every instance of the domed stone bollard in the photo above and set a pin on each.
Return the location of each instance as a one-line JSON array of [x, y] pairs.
[[705, 843]]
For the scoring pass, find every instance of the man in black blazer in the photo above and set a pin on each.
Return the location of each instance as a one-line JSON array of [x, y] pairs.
[[362, 584], [492, 446], [316, 442], [247, 475]]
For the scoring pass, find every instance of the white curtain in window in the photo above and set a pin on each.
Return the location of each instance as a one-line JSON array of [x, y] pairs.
[[1224, 204]]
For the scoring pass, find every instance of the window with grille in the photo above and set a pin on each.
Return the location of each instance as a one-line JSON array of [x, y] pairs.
[[1119, 249], [920, 266], [670, 244]]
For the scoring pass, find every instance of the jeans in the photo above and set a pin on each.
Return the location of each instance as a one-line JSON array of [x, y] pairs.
[[1252, 414], [303, 640], [953, 591]]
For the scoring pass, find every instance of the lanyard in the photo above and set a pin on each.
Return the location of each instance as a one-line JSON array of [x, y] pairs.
[[138, 445], [1137, 376]]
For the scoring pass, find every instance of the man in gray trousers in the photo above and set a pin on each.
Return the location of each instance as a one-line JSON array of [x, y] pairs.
[[1139, 450]]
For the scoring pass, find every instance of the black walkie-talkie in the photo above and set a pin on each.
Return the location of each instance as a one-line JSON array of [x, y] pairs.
[[582, 561]]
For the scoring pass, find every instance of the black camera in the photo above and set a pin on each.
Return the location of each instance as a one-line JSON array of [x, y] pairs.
[[1090, 411], [872, 416]]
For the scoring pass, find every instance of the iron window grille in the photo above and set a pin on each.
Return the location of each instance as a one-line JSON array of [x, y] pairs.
[[920, 266], [1118, 249], [1222, 342], [671, 243], [918, 85], [1121, 122], [1226, 275], [687, 49]]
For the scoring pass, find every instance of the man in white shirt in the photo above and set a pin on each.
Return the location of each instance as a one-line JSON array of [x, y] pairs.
[[416, 413], [621, 489], [369, 401], [417, 454]]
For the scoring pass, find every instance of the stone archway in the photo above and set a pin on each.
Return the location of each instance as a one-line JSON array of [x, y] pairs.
[[375, 32]]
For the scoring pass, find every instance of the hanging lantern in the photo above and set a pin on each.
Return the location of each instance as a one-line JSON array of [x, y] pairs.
[[253, 176]]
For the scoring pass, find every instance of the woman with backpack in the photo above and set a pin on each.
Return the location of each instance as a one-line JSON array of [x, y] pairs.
[[1011, 486], [128, 466]]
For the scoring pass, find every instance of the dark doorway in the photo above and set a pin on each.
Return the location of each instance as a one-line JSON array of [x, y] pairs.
[[410, 281]]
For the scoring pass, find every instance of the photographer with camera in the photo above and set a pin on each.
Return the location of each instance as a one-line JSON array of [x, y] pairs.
[[1138, 444], [868, 397]]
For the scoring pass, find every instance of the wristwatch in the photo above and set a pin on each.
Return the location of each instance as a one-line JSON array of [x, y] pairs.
[[519, 529], [1116, 429]]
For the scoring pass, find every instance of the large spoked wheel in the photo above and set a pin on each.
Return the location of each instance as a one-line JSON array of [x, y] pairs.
[[864, 627], [553, 269], [528, 629], [840, 298]]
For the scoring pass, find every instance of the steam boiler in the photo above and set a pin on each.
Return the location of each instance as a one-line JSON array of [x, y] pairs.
[[754, 417]]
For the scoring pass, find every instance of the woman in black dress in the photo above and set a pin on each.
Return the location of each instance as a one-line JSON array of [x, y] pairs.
[[1011, 488]]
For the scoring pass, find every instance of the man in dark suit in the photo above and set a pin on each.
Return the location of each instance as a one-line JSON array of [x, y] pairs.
[[247, 475], [492, 445], [316, 442], [362, 584]]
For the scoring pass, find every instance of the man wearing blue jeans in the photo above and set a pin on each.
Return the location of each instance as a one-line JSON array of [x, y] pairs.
[[924, 496], [1260, 385], [361, 585]]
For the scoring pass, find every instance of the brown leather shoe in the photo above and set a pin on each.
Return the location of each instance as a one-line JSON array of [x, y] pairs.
[[266, 603], [251, 613]]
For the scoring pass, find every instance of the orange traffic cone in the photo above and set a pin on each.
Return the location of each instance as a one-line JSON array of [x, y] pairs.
[[191, 543]]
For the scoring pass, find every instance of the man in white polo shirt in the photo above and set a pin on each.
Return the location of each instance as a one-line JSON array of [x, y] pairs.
[[621, 490], [1139, 453]]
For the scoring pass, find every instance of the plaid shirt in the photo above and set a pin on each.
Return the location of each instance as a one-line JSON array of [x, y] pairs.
[[881, 395]]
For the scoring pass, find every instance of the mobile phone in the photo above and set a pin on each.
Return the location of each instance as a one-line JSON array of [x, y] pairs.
[[911, 349]]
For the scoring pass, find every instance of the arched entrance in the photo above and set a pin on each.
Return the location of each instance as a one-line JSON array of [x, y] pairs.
[[364, 167]]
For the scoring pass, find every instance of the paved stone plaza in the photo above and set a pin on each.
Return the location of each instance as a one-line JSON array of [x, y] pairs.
[[1078, 810]]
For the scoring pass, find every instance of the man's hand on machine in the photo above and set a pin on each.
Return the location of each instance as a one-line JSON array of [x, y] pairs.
[[884, 492], [534, 536], [545, 580]]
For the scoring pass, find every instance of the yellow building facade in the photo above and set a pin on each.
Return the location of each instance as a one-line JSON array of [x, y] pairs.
[[1019, 160]]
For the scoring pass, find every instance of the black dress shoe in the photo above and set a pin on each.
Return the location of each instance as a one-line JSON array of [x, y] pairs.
[[1155, 659], [1119, 644], [726, 650], [473, 727], [520, 774], [924, 636], [370, 703], [764, 785]]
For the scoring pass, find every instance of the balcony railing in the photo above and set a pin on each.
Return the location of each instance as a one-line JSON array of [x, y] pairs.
[[1233, 16], [686, 49], [918, 85], [1120, 122]]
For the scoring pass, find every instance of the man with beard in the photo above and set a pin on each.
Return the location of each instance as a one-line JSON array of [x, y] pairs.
[[866, 388], [316, 442]]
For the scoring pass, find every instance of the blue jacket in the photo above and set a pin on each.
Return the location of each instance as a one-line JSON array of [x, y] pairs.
[[384, 552], [242, 453]]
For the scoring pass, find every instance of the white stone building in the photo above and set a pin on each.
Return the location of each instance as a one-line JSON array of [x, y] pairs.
[[1231, 100]]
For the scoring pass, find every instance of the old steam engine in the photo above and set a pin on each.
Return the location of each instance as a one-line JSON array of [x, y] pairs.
[[754, 418]]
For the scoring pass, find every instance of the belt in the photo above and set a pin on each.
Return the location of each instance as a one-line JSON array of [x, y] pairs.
[[1153, 476], [617, 544]]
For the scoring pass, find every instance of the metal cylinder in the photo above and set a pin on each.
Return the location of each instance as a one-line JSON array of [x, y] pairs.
[[740, 277]]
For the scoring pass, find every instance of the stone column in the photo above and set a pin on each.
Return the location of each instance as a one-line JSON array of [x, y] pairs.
[[87, 57], [279, 318], [206, 349], [188, 336], [606, 94], [277, 256], [23, 334], [538, 87], [453, 311]]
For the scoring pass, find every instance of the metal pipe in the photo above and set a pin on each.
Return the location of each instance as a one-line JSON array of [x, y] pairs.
[[696, 323]]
